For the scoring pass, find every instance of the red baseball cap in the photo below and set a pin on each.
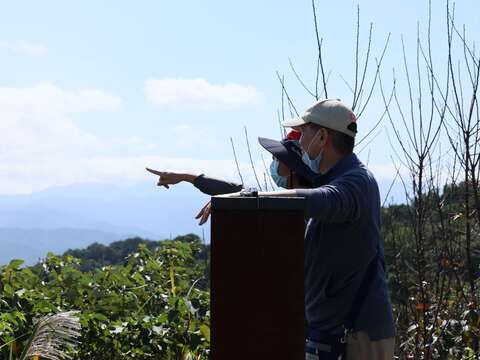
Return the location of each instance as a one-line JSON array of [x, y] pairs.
[[294, 135]]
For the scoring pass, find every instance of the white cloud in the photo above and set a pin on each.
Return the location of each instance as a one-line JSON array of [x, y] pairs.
[[46, 98], [42, 145], [37, 130], [24, 47], [33, 175], [35, 121], [199, 94]]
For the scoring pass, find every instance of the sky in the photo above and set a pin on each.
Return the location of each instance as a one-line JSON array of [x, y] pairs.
[[95, 91]]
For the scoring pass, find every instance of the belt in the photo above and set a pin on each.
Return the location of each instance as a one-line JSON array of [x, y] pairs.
[[325, 346]]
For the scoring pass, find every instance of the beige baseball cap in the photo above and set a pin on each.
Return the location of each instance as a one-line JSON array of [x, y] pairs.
[[329, 113]]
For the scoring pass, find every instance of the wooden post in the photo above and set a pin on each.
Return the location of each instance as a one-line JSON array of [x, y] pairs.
[[257, 279]]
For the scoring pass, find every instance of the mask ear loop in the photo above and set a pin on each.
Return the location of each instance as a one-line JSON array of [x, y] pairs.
[[311, 142]]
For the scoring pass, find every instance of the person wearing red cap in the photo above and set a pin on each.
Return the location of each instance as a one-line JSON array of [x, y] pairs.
[[287, 170]]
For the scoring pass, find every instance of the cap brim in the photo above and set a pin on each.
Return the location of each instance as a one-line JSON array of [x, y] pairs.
[[274, 147], [298, 121], [284, 153]]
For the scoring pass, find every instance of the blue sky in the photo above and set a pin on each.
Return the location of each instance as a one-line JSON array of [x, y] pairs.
[[93, 91]]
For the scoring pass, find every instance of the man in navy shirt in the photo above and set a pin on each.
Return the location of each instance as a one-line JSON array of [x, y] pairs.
[[345, 280], [343, 246]]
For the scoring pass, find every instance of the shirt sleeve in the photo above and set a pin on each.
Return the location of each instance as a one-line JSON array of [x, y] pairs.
[[211, 186], [341, 200]]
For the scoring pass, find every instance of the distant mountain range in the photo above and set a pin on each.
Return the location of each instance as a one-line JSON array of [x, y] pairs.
[[33, 244], [74, 216]]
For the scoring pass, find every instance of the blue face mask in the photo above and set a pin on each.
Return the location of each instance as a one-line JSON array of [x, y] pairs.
[[312, 164], [281, 181]]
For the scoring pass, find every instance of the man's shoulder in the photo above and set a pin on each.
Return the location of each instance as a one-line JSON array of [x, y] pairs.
[[361, 179], [360, 171], [353, 172]]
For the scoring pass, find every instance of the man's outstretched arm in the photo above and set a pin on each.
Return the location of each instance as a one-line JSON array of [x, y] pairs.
[[336, 202]]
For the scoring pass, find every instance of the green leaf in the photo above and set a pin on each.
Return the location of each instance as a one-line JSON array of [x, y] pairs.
[[98, 316], [16, 263], [205, 330], [8, 290]]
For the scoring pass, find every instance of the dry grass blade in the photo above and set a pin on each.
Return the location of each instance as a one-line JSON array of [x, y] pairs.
[[251, 159], [236, 161], [53, 336]]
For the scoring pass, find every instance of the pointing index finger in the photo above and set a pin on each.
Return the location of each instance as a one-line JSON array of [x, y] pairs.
[[156, 172]]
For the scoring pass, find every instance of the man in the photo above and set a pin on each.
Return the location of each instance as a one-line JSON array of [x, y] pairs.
[[345, 281]]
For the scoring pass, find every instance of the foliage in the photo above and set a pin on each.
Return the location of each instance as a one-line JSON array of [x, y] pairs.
[[144, 299], [98, 255], [150, 306], [445, 322]]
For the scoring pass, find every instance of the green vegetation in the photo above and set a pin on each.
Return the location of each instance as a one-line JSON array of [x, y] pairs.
[[153, 304], [150, 299], [97, 255], [433, 276]]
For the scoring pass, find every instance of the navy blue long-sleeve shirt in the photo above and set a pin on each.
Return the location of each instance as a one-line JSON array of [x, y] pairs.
[[342, 238]]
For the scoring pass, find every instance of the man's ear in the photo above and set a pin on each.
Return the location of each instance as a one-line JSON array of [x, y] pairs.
[[325, 136]]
